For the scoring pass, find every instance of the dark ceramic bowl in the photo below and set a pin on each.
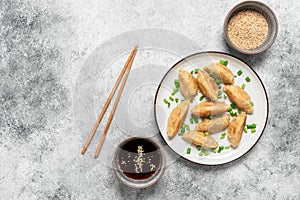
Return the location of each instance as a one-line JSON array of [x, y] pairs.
[[142, 179], [267, 12]]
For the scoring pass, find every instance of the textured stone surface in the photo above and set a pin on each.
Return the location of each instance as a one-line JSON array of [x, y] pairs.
[[44, 46]]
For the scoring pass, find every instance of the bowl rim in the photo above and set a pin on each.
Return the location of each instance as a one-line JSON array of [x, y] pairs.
[[159, 174], [251, 51]]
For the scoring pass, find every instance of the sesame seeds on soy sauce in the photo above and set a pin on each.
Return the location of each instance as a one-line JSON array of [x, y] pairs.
[[139, 159]]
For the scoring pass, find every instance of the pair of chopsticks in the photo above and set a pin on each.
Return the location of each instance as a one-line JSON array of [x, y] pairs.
[[127, 67]]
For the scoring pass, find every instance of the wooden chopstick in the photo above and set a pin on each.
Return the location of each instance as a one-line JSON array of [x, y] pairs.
[[92, 133], [115, 105]]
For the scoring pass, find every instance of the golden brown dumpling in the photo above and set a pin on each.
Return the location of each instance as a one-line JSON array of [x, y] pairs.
[[239, 97], [207, 86], [214, 125], [205, 108], [220, 71], [187, 84], [177, 117], [235, 129], [199, 138]]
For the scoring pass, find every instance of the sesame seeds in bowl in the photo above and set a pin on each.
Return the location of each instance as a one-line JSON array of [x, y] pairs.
[[250, 27]]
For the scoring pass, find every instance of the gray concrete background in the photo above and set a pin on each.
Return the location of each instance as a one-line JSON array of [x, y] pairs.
[[43, 47]]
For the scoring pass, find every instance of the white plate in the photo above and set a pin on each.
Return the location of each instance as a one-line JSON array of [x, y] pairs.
[[254, 88]]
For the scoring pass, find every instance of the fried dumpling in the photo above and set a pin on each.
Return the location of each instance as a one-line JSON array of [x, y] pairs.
[[187, 84], [220, 71], [207, 86], [235, 129], [199, 138], [177, 117], [214, 125], [239, 97], [205, 108]]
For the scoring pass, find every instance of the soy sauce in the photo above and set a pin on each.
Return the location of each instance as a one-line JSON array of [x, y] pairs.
[[139, 158]]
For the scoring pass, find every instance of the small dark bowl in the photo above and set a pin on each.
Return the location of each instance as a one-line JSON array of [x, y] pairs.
[[267, 12], [133, 182]]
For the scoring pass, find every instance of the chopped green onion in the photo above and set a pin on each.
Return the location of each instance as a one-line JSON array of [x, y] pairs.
[[201, 98], [191, 121], [188, 150], [176, 82], [205, 153], [220, 149], [235, 76], [245, 130], [243, 86], [251, 126], [233, 105], [176, 100], [214, 150], [227, 147], [196, 120], [210, 116], [218, 81], [248, 79], [196, 70], [166, 102], [187, 127], [175, 90], [224, 134], [219, 92], [239, 111], [232, 113], [198, 147], [219, 86], [253, 130], [192, 71], [201, 154], [206, 133], [171, 98], [240, 72], [225, 97], [211, 74], [252, 104], [229, 109], [224, 62]]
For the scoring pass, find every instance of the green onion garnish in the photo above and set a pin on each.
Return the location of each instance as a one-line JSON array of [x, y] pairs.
[[176, 82], [220, 93], [233, 113], [227, 147], [188, 150], [175, 90], [243, 86], [201, 98], [224, 62], [192, 71], [233, 105], [251, 126], [220, 149], [200, 154], [225, 97], [191, 121], [187, 127], [211, 74], [206, 133], [214, 150], [205, 153], [248, 79], [245, 130], [229, 109], [171, 98], [253, 130], [239, 72], [198, 147], [239, 111], [210, 116], [196, 120], [218, 81], [252, 104], [196, 70], [166, 102]]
